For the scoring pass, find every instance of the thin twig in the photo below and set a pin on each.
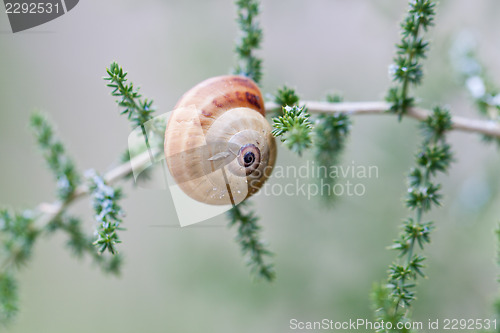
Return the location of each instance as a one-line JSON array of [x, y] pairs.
[[49, 211], [52, 210], [487, 127]]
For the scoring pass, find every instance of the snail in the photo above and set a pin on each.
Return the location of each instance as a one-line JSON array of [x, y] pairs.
[[218, 144]]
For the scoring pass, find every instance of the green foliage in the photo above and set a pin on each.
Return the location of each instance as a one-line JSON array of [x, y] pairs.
[[138, 110], [497, 234], [330, 135], [436, 125], [434, 156], [251, 66], [334, 98], [251, 245], [294, 127], [286, 97], [407, 69], [472, 74], [54, 153], [383, 303], [249, 40], [108, 213], [18, 237], [497, 301], [8, 297], [80, 243], [19, 231]]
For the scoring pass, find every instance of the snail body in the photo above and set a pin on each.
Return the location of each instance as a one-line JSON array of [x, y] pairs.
[[218, 144]]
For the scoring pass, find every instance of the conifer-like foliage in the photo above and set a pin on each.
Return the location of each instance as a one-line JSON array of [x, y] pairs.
[[137, 109], [108, 213], [294, 128], [249, 41], [55, 156], [484, 93], [497, 302], [393, 300], [249, 65], [331, 132], [251, 245], [21, 230], [286, 97], [407, 68], [9, 299]]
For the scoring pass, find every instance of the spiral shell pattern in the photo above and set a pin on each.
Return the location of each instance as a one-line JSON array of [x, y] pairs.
[[218, 144]]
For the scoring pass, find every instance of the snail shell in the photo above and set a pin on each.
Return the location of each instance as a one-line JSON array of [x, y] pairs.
[[218, 144]]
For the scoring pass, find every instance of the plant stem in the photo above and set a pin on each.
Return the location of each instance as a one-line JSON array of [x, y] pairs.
[[411, 53], [487, 127], [49, 211]]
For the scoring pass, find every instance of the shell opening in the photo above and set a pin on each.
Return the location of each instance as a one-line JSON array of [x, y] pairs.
[[249, 158]]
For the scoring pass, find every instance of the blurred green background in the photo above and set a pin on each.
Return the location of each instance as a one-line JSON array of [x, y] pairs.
[[194, 279]]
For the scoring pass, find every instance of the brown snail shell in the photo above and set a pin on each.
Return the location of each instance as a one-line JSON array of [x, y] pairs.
[[218, 144]]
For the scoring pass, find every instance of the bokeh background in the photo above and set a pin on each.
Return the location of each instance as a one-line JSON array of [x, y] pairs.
[[194, 279]]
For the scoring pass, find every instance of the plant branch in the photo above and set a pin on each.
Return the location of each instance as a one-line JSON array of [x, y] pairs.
[[51, 210], [487, 127]]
